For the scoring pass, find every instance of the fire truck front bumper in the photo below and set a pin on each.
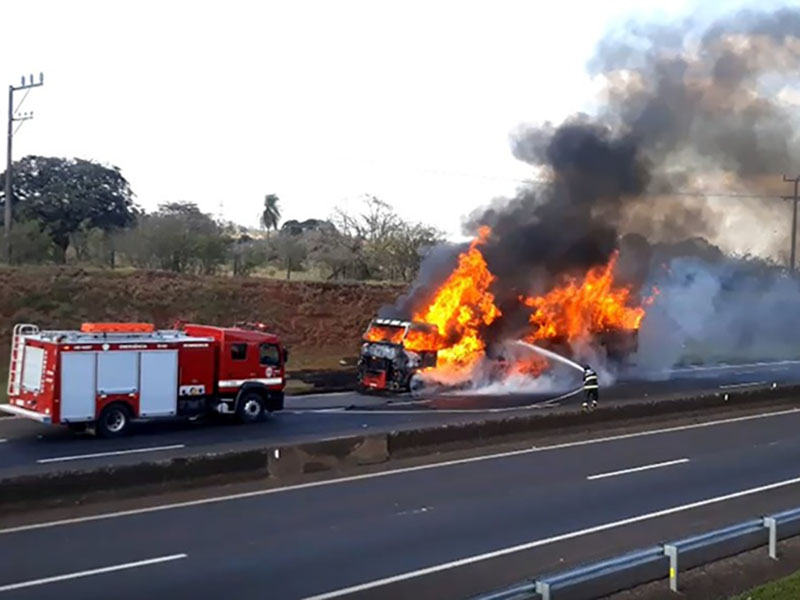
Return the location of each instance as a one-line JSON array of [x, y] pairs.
[[24, 412]]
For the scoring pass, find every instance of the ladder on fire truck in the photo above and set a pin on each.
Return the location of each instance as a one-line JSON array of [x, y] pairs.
[[17, 353]]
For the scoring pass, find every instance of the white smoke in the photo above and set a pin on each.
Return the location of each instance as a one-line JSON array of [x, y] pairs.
[[720, 312]]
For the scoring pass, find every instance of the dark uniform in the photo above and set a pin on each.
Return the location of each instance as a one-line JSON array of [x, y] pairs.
[[590, 387]]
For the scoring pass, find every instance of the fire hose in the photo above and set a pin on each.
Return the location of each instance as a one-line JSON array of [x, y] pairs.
[[552, 355]]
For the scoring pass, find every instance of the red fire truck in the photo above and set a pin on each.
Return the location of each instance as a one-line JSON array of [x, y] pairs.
[[107, 374]]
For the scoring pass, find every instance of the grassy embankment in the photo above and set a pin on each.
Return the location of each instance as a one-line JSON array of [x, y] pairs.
[[787, 588]]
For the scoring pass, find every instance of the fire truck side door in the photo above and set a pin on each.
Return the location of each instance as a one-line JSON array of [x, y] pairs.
[[158, 395], [78, 377], [234, 361]]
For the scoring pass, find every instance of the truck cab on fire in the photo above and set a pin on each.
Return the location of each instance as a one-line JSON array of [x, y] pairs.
[[392, 352]]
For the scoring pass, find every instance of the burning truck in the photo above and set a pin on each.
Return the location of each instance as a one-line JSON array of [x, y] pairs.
[[393, 352], [454, 330]]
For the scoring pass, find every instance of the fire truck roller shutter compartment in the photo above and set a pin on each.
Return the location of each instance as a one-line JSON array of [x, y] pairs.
[[78, 386], [158, 395], [32, 369], [117, 373]]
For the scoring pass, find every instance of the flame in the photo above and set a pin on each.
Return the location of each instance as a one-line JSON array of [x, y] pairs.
[[421, 341], [462, 306], [382, 333], [579, 309]]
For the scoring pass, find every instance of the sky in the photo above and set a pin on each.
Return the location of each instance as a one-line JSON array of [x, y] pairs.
[[320, 102]]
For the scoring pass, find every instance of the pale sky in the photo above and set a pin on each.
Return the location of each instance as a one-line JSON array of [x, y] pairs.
[[222, 102]]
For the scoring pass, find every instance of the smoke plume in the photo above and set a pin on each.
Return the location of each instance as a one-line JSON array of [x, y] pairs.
[[693, 117]]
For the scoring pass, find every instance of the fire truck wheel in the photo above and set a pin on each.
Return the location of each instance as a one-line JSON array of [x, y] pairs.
[[250, 408], [114, 421]]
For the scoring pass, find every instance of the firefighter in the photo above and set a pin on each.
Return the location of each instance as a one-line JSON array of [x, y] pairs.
[[591, 389]]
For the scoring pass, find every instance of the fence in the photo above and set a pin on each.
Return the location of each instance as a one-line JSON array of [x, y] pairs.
[[657, 562]]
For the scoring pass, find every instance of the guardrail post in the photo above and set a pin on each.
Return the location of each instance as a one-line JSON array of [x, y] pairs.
[[771, 524], [543, 589], [672, 552]]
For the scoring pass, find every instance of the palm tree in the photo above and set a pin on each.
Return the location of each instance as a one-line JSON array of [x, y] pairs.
[[272, 212]]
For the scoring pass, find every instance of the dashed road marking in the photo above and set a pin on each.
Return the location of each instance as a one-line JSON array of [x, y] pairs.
[[389, 473], [111, 453], [668, 463], [66, 577]]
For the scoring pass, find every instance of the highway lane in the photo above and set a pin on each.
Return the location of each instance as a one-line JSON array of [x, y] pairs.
[[424, 532], [31, 447]]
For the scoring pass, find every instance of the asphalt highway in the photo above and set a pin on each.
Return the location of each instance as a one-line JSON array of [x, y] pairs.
[[27, 447], [445, 530]]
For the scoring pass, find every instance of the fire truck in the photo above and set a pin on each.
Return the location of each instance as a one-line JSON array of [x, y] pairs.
[[106, 375]]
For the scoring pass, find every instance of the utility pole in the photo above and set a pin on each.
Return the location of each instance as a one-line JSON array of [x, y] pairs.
[[794, 198], [12, 118]]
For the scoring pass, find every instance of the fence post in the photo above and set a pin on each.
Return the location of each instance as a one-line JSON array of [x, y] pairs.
[[772, 525], [672, 552], [543, 589]]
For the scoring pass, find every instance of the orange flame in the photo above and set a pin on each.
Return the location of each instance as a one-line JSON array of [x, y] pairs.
[[462, 306], [382, 333], [576, 310]]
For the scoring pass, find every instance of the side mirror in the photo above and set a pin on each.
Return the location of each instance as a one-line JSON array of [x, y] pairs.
[[285, 355]]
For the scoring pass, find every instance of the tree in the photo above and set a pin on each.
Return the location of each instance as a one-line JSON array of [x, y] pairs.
[[178, 237], [383, 245], [271, 215], [31, 243], [67, 195], [248, 254], [291, 251], [408, 246]]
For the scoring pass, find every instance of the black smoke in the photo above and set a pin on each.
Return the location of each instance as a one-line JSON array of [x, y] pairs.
[[690, 109]]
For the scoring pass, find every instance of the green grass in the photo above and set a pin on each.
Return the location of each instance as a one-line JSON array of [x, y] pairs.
[[783, 589]]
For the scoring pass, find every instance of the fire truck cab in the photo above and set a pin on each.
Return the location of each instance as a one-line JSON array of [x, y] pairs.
[[106, 375]]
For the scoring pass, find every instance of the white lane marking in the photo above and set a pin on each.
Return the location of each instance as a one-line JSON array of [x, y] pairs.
[[737, 385], [378, 474], [3, 441], [637, 469], [132, 565], [726, 367], [344, 410], [298, 397], [551, 540], [455, 411], [110, 453]]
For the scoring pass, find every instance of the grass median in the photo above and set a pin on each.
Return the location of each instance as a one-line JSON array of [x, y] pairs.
[[787, 588]]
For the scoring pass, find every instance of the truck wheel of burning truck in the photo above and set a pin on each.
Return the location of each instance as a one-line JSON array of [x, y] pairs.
[[250, 407], [114, 421]]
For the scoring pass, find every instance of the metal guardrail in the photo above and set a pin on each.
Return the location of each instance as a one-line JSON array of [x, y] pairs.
[[650, 564]]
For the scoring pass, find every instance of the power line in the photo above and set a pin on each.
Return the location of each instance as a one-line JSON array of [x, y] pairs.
[[549, 182]]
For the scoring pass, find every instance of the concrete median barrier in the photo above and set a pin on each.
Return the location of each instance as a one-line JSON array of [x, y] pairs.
[[38, 490], [410, 442], [291, 462], [327, 455]]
